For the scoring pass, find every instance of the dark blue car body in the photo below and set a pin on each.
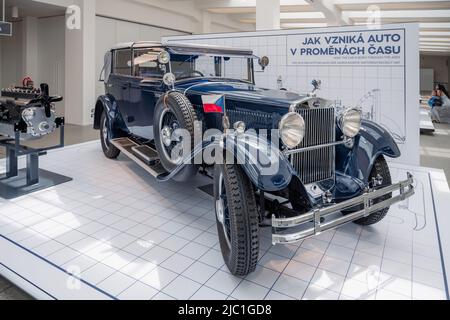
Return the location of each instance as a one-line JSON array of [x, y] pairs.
[[130, 101]]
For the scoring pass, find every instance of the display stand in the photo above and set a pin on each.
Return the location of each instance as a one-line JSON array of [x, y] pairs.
[[18, 182], [426, 124]]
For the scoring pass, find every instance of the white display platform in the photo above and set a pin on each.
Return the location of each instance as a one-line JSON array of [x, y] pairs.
[[116, 233], [426, 124]]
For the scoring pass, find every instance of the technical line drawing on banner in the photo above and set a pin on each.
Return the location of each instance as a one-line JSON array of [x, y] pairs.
[[370, 104], [371, 69]]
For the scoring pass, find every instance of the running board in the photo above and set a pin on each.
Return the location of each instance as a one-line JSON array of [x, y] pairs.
[[143, 155]]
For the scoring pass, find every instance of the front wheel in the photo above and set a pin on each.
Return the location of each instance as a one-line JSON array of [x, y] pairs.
[[380, 169], [237, 219]]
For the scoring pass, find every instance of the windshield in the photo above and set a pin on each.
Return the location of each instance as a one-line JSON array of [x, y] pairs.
[[191, 66]]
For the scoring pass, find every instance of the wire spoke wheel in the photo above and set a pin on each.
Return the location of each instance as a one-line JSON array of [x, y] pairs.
[[237, 219], [172, 144]]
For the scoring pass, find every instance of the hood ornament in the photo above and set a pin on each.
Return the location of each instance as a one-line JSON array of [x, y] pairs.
[[317, 84]]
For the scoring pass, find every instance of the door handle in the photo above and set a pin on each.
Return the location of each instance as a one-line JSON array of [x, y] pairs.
[[124, 86]]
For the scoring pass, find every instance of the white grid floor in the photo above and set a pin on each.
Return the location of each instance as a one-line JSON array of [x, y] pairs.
[[131, 237]]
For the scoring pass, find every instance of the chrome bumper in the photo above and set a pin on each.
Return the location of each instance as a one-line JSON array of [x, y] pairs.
[[318, 217]]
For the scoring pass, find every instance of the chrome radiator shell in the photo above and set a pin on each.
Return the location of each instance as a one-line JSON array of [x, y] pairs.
[[312, 165], [319, 164]]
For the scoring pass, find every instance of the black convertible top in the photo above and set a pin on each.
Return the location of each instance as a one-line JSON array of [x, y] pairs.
[[187, 49]]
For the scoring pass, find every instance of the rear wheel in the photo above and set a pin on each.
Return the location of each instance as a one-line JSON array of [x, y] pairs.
[[110, 151], [380, 169], [237, 219]]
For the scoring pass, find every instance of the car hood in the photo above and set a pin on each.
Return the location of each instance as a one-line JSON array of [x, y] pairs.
[[240, 91]]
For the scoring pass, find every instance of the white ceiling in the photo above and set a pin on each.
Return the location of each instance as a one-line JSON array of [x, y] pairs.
[[433, 15], [29, 8]]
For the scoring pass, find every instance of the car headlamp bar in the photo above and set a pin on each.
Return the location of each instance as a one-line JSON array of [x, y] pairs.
[[296, 151]]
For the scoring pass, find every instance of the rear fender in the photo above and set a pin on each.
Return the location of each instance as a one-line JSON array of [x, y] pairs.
[[116, 125]]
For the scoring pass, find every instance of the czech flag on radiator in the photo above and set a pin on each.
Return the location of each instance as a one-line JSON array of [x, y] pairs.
[[213, 103]]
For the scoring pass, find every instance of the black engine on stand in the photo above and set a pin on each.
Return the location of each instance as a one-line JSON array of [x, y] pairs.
[[30, 111], [27, 113]]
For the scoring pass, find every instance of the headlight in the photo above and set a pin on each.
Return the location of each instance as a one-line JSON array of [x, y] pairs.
[[164, 57], [240, 127], [169, 79], [292, 129], [350, 122]]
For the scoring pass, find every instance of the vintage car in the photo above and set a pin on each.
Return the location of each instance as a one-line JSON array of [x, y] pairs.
[[292, 162]]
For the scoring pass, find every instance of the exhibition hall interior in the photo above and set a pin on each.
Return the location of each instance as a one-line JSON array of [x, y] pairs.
[[224, 150]]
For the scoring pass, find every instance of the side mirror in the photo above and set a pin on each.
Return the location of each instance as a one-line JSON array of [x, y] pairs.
[[263, 62]]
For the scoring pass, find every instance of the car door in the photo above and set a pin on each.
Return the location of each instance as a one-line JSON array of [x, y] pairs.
[[119, 81], [145, 88]]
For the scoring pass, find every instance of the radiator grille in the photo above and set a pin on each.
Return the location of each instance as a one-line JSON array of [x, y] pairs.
[[312, 166], [317, 165], [253, 120]]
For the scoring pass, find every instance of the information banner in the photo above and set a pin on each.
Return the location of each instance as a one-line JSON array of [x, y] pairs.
[[376, 70], [371, 47]]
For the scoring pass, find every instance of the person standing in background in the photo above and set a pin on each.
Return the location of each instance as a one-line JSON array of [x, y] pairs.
[[440, 104]]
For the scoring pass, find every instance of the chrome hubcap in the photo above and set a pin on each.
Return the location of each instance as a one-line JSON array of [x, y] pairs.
[[220, 210], [172, 144], [166, 134]]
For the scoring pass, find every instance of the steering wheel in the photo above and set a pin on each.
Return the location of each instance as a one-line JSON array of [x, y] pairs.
[[191, 74]]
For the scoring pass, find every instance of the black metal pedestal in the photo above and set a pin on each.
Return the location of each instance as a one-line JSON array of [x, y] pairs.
[[16, 183], [18, 186]]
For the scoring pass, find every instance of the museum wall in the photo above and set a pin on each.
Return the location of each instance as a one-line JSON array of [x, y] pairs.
[[74, 58], [51, 56], [12, 65], [47, 52], [440, 65]]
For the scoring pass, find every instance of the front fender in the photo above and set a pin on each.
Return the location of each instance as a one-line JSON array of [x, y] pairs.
[[372, 142], [116, 124], [268, 168]]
